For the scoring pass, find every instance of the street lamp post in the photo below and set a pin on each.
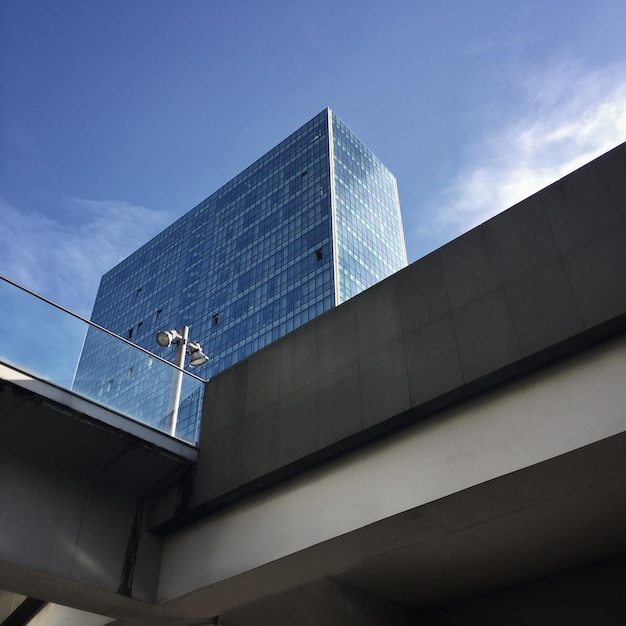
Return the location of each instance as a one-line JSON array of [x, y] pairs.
[[166, 338]]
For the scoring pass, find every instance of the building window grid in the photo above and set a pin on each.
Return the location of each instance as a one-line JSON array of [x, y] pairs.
[[365, 255], [259, 205]]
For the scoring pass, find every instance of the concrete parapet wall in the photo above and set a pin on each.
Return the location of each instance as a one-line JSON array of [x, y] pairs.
[[532, 284]]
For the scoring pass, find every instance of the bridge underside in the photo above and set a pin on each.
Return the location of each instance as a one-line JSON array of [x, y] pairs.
[[522, 501], [491, 506]]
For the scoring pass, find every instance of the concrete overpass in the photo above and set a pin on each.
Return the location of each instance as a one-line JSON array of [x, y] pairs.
[[448, 446]]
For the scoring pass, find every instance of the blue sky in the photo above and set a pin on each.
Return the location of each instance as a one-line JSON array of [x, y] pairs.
[[117, 117]]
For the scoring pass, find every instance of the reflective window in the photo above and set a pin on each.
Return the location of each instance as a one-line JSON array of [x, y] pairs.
[[254, 261]]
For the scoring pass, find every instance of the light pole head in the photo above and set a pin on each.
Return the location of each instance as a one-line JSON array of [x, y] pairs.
[[166, 338], [196, 356]]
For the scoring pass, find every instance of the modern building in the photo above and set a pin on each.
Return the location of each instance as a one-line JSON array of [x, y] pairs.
[[310, 224]]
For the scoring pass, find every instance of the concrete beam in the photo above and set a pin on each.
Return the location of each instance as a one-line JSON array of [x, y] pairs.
[[321, 602], [393, 493], [533, 284]]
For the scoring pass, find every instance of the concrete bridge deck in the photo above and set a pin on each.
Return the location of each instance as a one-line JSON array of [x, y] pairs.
[[449, 445]]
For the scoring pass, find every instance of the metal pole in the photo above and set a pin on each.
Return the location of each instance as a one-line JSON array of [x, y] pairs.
[[177, 380]]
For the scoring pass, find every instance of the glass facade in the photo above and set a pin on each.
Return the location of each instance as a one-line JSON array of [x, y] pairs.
[[256, 259], [370, 241]]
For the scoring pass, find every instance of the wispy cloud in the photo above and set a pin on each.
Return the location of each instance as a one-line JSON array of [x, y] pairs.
[[569, 118], [63, 259]]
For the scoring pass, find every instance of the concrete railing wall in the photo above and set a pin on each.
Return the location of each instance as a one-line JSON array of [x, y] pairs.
[[535, 282]]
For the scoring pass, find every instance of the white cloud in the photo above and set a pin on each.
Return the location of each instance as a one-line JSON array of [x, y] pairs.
[[63, 259], [569, 118]]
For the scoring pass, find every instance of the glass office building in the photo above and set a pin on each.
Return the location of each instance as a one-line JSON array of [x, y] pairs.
[[312, 223]]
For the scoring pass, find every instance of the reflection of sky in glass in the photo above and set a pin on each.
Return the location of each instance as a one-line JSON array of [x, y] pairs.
[[46, 341], [38, 337], [249, 264], [370, 243]]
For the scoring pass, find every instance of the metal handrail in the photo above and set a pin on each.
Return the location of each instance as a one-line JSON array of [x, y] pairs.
[[101, 328]]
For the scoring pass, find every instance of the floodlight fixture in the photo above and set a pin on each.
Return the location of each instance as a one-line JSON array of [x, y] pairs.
[[196, 356], [180, 337], [166, 338]]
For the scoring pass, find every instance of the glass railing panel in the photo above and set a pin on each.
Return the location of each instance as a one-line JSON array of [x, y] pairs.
[[53, 344], [38, 335]]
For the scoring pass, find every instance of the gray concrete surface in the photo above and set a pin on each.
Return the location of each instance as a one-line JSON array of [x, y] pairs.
[[530, 285]]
